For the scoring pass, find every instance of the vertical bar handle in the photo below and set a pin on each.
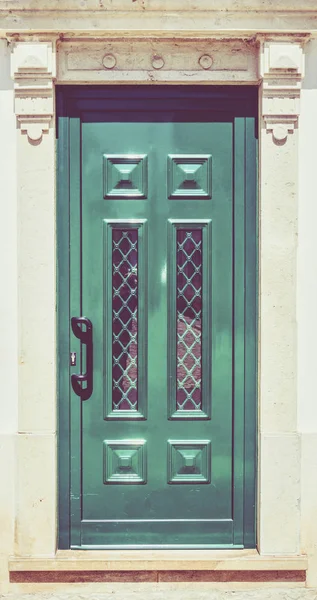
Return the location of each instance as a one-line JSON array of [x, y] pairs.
[[85, 336]]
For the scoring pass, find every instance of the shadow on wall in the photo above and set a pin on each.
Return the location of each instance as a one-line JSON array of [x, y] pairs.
[[310, 80]]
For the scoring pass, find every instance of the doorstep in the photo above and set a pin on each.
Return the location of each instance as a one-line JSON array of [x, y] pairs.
[[158, 565]]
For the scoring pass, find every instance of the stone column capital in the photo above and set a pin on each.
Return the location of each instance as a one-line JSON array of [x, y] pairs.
[[33, 69]]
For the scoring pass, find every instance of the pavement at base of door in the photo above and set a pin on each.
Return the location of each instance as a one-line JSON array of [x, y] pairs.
[[182, 592]]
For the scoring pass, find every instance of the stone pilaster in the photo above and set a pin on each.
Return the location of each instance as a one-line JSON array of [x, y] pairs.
[[282, 69], [33, 67]]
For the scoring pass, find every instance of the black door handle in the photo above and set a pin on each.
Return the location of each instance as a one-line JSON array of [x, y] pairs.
[[85, 336]]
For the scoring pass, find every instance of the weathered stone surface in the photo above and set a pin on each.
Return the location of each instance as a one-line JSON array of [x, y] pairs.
[[230, 16], [160, 593], [154, 5]]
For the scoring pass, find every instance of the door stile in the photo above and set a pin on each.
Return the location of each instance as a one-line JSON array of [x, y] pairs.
[[63, 328], [238, 326], [251, 327], [75, 310]]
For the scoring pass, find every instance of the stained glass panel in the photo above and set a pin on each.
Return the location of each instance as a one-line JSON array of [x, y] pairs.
[[189, 319], [124, 319]]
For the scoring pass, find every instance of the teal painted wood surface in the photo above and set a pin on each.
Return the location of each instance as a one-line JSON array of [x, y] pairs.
[[157, 247]]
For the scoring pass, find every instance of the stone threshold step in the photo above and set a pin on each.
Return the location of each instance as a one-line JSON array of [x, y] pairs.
[[164, 564]]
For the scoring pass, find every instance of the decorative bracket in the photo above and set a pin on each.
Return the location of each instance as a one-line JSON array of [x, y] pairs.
[[33, 69], [282, 71]]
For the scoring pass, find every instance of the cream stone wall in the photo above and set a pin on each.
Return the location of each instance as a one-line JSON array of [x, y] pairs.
[[279, 443], [287, 498], [36, 481], [306, 310], [307, 218], [8, 309]]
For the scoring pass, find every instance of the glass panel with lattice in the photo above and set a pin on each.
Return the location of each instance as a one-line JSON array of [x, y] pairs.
[[189, 319], [124, 319]]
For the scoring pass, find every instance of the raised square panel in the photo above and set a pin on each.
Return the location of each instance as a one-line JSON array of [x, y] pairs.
[[189, 461], [125, 176], [124, 461], [189, 176]]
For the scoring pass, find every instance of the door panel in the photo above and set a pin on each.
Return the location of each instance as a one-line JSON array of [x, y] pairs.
[[157, 459]]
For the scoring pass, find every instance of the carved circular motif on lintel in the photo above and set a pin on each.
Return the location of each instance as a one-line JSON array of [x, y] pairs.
[[205, 61], [109, 61], [157, 62]]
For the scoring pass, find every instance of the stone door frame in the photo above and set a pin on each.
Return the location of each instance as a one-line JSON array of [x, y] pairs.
[[276, 65]]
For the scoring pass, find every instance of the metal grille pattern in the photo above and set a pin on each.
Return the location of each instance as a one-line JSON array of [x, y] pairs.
[[124, 319], [189, 319]]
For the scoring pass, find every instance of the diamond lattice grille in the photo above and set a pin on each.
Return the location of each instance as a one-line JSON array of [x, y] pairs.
[[189, 319], [124, 319]]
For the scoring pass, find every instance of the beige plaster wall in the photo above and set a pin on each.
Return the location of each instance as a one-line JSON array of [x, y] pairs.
[[8, 309], [307, 218], [306, 309], [8, 236]]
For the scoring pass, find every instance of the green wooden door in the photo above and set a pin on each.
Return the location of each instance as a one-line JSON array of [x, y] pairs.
[[162, 196]]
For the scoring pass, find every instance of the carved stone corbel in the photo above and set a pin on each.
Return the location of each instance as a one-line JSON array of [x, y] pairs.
[[282, 71], [33, 69]]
